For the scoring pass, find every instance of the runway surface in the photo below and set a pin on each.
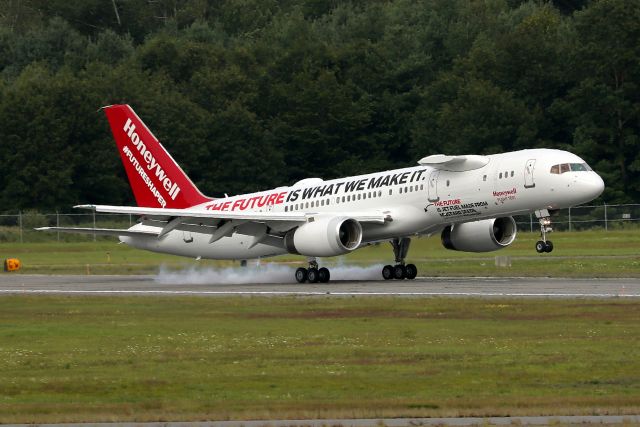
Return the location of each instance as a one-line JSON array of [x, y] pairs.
[[462, 287]]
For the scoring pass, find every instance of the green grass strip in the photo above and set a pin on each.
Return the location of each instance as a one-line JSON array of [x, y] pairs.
[[81, 359], [598, 253]]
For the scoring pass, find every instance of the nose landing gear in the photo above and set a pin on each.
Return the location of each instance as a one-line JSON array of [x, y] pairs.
[[544, 218], [313, 274], [400, 270]]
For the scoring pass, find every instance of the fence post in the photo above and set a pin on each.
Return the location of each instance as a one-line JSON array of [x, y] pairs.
[[531, 222], [569, 218], [94, 225], [20, 225], [606, 225], [58, 223]]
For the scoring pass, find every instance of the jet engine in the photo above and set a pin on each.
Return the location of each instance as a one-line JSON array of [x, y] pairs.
[[324, 236], [480, 236]]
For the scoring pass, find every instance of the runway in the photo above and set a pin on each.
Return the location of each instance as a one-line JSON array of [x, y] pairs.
[[420, 287]]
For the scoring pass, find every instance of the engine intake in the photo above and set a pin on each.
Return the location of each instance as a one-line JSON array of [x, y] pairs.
[[480, 236], [324, 236]]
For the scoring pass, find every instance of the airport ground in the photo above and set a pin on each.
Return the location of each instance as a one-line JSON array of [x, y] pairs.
[[596, 253], [73, 357], [131, 358]]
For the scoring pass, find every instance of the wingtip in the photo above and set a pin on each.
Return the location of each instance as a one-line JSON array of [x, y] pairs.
[[92, 207]]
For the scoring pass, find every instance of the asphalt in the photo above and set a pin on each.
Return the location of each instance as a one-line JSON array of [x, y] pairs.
[[420, 287]]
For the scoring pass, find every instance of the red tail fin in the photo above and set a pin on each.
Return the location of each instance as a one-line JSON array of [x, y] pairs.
[[156, 179]]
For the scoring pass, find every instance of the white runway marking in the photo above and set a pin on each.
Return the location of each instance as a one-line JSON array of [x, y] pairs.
[[319, 293]]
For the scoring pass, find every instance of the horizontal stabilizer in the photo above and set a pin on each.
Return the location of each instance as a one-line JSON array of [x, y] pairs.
[[99, 231], [454, 163]]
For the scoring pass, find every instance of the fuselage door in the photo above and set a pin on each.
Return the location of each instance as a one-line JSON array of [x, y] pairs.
[[528, 173], [433, 186]]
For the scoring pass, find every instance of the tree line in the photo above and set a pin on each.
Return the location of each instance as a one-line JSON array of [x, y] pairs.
[[253, 94]]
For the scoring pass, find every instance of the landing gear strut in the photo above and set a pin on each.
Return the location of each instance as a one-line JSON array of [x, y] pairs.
[[313, 274], [544, 218], [400, 270]]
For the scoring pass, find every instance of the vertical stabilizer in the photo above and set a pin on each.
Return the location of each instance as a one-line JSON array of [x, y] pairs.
[[155, 178]]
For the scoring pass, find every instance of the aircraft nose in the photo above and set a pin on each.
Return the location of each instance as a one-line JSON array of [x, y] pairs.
[[591, 185]]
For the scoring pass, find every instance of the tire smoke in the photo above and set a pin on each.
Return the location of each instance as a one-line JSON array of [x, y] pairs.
[[264, 273]]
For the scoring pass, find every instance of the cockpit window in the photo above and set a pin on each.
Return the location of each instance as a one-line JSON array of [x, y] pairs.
[[580, 167], [566, 167]]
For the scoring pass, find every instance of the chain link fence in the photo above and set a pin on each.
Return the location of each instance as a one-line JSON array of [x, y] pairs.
[[585, 217], [19, 227]]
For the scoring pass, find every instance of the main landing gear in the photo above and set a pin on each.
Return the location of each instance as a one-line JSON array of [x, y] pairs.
[[400, 270], [544, 218], [313, 274]]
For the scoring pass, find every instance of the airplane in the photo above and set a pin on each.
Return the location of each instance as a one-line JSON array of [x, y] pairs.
[[470, 200]]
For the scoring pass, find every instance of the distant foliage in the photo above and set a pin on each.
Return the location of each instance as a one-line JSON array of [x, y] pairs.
[[254, 94]]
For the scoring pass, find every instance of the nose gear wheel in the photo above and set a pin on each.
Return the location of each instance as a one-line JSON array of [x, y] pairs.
[[543, 245]]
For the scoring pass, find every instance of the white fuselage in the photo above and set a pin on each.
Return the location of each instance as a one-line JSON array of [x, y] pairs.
[[418, 200]]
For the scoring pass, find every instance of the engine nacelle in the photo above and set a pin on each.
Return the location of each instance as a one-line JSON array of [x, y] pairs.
[[324, 236], [480, 236]]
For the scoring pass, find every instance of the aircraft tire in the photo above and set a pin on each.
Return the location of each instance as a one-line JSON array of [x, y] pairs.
[[540, 246], [387, 272], [301, 275], [549, 246], [312, 275], [412, 271], [324, 275], [399, 272]]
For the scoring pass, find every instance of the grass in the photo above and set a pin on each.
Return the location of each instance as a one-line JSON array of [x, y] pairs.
[[82, 359], [614, 253]]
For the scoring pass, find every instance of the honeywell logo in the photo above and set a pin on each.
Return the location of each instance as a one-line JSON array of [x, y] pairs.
[[505, 193], [152, 166]]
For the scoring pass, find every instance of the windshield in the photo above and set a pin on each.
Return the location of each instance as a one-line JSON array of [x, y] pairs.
[[570, 167]]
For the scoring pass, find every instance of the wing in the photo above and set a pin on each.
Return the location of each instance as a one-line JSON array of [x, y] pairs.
[[260, 217], [100, 231], [266, 227]]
